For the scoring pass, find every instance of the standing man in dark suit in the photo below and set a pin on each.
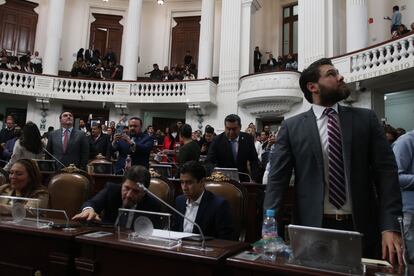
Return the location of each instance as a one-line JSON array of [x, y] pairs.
[[68, 145], [233, 149], [257, 59], [211, 212], [99, 142], [345, 172], [127, 195], [136, 144]]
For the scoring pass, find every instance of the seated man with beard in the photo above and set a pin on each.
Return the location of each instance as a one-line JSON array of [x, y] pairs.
[[127, 195]]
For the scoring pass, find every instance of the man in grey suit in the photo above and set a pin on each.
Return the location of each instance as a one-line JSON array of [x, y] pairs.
[[68, 145], [345, 172]]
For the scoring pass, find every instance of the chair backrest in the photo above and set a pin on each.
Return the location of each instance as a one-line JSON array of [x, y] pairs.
[[68, 191], [163, 188], [236, 196]]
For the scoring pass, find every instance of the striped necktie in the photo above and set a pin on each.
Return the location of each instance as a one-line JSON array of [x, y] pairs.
[[337, 189]]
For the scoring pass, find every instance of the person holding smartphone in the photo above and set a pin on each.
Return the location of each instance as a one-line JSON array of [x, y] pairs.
[[136, 144]]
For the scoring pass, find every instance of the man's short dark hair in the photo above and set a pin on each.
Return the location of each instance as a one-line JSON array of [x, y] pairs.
[[138, 174], [148, 127], [311, 74], [232, 118], [195, 169], [396, 8], [209, 129], [97, 125], [136, 118], [60, 116], [186, 131]]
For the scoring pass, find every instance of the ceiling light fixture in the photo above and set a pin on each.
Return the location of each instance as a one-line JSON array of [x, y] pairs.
[[160, 2]]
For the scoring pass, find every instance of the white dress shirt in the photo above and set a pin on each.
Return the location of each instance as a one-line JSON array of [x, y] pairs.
[[322, 123], [191, 213]]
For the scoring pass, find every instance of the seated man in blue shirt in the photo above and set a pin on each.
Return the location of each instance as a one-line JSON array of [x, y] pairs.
[[127, 195], [211, 212]]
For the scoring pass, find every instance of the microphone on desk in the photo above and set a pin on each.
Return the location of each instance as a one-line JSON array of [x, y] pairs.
[[54, 157], [203, 239]]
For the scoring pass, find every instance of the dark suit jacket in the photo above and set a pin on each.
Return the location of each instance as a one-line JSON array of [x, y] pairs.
[[77, 152], [370, 169], [220, 154], [102, 146], [109, 200], [213, 216]]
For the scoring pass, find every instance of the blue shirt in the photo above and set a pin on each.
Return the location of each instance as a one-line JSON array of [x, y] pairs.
[[404, 154], [396, 18]]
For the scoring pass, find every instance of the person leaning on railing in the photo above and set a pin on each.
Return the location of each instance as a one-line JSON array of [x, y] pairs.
[[24, 181]]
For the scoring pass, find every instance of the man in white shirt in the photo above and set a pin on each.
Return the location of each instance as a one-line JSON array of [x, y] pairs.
[[211, 212]]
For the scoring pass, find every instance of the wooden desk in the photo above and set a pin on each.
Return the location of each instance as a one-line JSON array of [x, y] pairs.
[[26, 250], [108, 256], [240, 267]]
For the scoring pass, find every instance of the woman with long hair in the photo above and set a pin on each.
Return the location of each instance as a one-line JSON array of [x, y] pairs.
[[29, 145], [24, 181]]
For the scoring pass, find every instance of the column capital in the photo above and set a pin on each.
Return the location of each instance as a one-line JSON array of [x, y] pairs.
[[251, 3]]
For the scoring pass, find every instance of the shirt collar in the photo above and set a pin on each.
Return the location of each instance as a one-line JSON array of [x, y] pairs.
[[237, 139], [318, 109], [195, 203]]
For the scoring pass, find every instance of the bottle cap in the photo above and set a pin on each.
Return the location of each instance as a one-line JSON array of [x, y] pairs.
[[270, 213]]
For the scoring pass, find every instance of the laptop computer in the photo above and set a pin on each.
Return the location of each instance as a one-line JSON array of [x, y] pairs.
[[231, 173], [326, 249]]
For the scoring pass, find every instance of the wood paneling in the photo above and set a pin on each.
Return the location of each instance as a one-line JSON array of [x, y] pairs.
[[185, 37], [106, 32], [18, 23]]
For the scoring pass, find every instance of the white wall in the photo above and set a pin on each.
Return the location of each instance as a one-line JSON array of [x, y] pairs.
[[399, 109], [52, 118]]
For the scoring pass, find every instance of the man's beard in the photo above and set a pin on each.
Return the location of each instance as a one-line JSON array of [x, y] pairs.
[[127, 204], [329, 96]]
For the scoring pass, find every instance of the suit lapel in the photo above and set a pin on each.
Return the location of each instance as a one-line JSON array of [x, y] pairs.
[[314, 138], [201, 210], [345, 118]]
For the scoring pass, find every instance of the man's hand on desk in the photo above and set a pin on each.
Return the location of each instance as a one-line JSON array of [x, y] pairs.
[[391, 245], [87, 214]]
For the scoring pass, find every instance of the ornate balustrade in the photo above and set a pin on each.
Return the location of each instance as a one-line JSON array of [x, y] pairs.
[[197, 91], [385, 58], [270, 94]]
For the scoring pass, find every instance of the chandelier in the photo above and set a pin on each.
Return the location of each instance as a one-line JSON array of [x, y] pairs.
[[160, 2]]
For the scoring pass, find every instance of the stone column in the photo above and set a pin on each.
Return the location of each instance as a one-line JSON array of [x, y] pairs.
[[229, 70], [131, 33], [206, 45], [248, 8], [356, 25], [51, 56], [311, 28]]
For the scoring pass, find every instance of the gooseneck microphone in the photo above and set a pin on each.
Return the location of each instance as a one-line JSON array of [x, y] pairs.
[[54, 157], [203, 240]]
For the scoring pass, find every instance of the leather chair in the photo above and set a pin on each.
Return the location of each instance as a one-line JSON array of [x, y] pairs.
[[69, 189], [236, 196], [163, 188]]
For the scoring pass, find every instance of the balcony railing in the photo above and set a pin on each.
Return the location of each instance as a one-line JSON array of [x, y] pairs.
[[197, 91], [270, 94], [378, 60]]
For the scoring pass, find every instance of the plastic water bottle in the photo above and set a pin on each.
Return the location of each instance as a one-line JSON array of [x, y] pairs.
[[269, 236], [128, 162]]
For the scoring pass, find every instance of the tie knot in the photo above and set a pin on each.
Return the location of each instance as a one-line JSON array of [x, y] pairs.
[[329, 111]]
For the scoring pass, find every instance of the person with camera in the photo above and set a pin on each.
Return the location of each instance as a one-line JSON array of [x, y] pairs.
[[136, 144]]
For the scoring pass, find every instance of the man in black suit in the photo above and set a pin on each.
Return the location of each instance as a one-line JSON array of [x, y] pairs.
[[114, 196], [345, 171], [7, 133], [211, 212], [233, 149], [68, 145], [99, 142], [257, 59]]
